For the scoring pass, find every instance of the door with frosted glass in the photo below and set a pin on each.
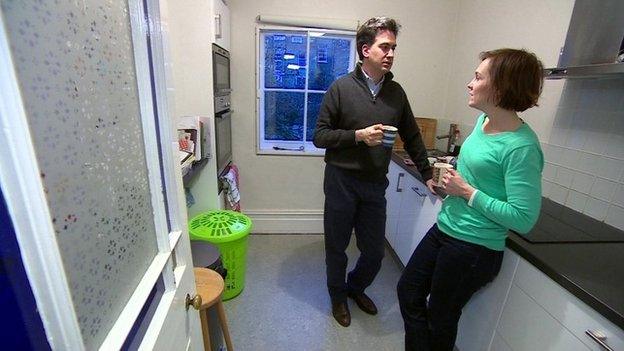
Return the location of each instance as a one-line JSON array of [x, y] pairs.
[[93, 185]]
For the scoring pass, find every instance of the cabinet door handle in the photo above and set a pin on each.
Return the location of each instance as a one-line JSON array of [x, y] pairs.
[[598, 337], [417, 191], [218, 33], [398, 189]]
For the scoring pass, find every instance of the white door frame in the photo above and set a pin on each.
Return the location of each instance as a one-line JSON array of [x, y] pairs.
[[27, 204]]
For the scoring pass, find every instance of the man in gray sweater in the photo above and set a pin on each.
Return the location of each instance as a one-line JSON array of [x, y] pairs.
[[349, 126]]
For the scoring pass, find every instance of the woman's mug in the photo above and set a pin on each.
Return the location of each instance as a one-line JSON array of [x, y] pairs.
[[439, 169]]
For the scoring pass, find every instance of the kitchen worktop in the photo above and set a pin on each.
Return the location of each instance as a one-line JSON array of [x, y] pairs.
[[398, 157], [593, 272]]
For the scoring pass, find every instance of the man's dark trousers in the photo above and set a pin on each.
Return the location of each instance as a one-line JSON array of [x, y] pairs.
[[352, 203]]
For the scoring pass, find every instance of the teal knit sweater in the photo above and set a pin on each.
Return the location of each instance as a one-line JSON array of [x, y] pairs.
[[506, 169]]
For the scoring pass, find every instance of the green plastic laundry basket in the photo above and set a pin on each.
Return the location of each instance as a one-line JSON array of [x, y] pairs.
[[228, 230]]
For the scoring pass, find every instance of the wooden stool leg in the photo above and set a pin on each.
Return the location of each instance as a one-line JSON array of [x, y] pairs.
[[224, 327], [203, 315]]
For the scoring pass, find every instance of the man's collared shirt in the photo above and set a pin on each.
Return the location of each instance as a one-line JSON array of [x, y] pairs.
[[374, 88]]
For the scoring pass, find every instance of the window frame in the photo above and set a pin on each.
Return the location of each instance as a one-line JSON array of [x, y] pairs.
[[309, 149]]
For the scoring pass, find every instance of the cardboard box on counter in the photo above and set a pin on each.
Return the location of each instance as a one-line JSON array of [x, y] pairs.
[[427, 130]]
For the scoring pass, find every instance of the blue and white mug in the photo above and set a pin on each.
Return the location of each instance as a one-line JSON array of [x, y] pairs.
[[389, 134]]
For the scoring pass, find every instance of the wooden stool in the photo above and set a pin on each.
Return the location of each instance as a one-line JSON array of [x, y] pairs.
[[210, 287]]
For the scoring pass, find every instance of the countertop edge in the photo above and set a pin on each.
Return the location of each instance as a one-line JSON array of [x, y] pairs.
[[518, 245], [412, 170]]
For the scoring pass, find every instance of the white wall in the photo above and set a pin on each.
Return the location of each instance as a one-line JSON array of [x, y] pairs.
[[187, 28], [290, 187], [536, 25]]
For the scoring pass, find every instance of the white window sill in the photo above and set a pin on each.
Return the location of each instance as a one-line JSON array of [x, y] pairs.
[[290, 153]]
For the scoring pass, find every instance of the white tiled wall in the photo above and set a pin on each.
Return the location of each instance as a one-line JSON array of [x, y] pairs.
[[584, 153]]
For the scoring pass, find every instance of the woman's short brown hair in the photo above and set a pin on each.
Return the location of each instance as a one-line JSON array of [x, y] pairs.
[[517, 77]]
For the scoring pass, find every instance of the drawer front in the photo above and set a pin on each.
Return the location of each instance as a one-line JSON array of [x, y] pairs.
[[571, 312], [526, 326]]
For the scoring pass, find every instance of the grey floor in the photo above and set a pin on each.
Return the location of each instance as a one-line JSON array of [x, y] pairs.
[[285, 305]]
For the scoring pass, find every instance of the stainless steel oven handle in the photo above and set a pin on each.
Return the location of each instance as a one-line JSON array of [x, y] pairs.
[[598, 337]]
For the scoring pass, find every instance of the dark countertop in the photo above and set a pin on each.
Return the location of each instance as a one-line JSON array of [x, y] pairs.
[[593, 272], [410, 169]]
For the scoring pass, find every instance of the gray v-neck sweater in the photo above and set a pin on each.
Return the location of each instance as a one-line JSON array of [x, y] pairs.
[[349, 105]]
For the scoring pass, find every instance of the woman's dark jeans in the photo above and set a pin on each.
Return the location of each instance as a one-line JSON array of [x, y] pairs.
[[449, 271]]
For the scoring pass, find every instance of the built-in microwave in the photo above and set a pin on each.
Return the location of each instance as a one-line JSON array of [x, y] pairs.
[[221, 70]]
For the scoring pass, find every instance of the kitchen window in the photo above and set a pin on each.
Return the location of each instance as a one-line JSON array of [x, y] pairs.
[[295, 69]]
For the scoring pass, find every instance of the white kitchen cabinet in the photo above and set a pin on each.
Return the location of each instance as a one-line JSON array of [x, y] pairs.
[[480, 315], [535, 314], [570, 312], [431, 205], [393, 202], [411, 210], [498, 344], [407, 237], [221, 20], [541, 315], [526, 326]]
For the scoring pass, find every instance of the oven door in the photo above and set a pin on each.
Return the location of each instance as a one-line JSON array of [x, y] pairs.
[[221, 70], [223, 136]]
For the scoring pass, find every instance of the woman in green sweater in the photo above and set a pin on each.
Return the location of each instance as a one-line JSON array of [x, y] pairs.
[[496, 187]]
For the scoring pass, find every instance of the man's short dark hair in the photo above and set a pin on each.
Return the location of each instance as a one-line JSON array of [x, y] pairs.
[[368, 31], [517, 77]]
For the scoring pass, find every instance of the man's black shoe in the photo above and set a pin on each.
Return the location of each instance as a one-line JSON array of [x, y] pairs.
[[341, 313], [364, 302]]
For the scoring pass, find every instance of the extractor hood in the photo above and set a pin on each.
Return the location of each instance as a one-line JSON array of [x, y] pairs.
[[595, 38], [605, 70]]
